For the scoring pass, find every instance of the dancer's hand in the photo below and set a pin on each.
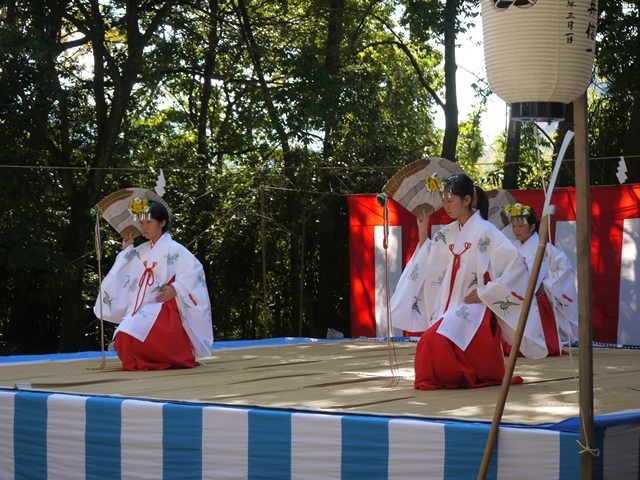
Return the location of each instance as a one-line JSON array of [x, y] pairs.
[[472, 297], [423, 226], [127, 241], [167, 293]]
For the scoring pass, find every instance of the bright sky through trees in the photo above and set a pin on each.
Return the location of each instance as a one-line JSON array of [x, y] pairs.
[[471, 69]]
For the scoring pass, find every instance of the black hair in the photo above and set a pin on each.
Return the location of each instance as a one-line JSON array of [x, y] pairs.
[[532, 220], [159, 212], [461, 185]]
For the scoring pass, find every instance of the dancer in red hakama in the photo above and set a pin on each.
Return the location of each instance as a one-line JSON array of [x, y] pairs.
[[555, 288], [157, 294], [473, 290]]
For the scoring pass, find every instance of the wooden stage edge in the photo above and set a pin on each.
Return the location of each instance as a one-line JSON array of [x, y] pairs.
[[344, 376]]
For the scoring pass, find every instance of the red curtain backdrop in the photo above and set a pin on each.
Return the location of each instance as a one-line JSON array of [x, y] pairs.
[[610, 207]]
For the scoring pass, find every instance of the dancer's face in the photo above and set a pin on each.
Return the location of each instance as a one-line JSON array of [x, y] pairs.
[[522, 231], [152, 229], [457, 207]]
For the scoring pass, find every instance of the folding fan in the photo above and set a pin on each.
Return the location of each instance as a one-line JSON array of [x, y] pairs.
[[498, 199], [114, 209], [408, 187]]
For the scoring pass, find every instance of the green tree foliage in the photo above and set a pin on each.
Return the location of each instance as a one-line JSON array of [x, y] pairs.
[[263, 117], [614, 103], [471, 145], [61, 114], [535, 159], [436, 23], [98, 96]]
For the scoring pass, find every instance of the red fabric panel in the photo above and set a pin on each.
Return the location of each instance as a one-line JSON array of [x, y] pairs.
[[610, 206], [409, 239], [363, 278], [365, 212]]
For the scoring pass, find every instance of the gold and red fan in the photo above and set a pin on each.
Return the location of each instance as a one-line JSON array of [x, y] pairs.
[[408, 188], [114, 209]]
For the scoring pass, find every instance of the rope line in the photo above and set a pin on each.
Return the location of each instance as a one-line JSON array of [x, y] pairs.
[[98, 245], [393, 361], [320, 167]]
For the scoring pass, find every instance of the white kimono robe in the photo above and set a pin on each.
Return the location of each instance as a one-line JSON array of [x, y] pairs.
[[407, 305], [557, 279], [126, 287], [482, 248]]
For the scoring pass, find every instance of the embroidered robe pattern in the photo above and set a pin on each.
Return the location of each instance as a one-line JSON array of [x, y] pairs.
[[491, 252], [407, 304], [558, 280], [126, 303]]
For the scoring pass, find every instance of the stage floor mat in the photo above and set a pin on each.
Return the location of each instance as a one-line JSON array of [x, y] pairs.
[[344, 376]]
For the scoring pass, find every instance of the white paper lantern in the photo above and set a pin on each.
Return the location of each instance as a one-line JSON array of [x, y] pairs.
[[539, 53]]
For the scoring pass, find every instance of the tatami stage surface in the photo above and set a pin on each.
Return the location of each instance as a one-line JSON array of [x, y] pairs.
[[342, 376]]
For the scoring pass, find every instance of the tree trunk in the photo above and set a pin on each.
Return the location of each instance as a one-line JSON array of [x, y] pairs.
[[17, 332], [566, 175], [74, 241], [450, 140], [512, 156], [289, 172], [204, 156], [327, 232], [110, 108]]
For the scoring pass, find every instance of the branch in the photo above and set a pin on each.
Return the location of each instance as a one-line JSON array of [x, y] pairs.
[[415, 65], [399, 43]]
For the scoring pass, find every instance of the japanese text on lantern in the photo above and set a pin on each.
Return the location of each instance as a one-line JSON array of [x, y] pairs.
[[590, 32]]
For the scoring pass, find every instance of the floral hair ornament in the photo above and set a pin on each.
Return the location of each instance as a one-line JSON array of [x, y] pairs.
[[140, 209], [435, 183], [518, 212]]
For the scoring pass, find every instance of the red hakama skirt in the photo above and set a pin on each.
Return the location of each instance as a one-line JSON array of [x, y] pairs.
[[166, 346], [549, 328], [440, 363]]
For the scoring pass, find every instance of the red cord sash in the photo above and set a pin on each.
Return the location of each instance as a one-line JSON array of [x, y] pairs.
[[454, 269], [147, 279]]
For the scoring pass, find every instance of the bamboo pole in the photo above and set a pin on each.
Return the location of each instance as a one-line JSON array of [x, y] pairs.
[[98, 246], [585, 329], [515, 348], [264, 264], [301, 280]]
